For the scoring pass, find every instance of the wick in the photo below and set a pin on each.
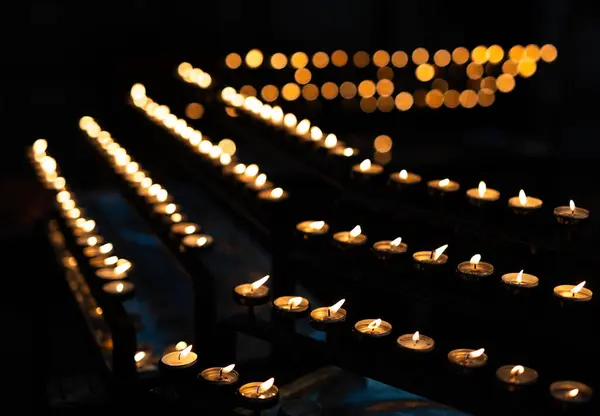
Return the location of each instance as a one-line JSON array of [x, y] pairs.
[[258, 391], [573, 294], [220, 373], [431, 255], [475, 266], [179, 357], [328, 312]]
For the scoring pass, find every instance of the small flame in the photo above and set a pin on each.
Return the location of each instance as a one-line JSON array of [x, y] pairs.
[[396, 242], [475, 259], [185, 352], [201, 241], [293, 302], [111, 260], [120, 287], [572, 205], [266, 385], [239, 168], [181, 345], [162, 195], [277, 193], [573, 393], [336, 307], [316, 133], [520, 277], [374, 324], [251, 170], [444, 182], [476, 353], [89, 225], [190, 229], [40, 146], [225, 159], [330, 141], [317, 225], [228, 369], [403, 174], [522, 197], [170, 208], [92, 241], [365, 165], [260, 180], [438, 251], [577, 288], [122, 266], [355, 232], [348, 151], [517, 370], [106, 248], [482, 189], [416, 337], [303, 127], [139, 356], [259, 282], [176, 217]]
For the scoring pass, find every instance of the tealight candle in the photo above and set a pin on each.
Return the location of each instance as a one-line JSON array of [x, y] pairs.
[[520, 279], [103, 261], [329, 314], [375, 328], [468, 358], [443, 186], [291, 304], [524, 204], [577, 293], [95, 251], [115, 273], [166, 208], [388, 248], [571, 391], [343, 151], [405, 178], [482, 194], [197, 240], [251, 294], [185, 228], [85, 228], [475, 268], [121, 288], [259, 395], [426, 259], [276, 194], [311, 228], [517, 375], [260, 183], [90, 240], [179, 360], [367, 168], [416, 342], [220, 376], [249, 174], [571, 214], [352, 238]]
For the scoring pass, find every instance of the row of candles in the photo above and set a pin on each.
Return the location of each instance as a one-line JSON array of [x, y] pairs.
[[249, 175], [99, 252]]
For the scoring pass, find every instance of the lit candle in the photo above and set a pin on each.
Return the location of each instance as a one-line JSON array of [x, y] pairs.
[[343, 151], [577, 293], [291, 305], [90, 240], [468, 358], [482, 194], [197, 240], [524, 204], [475, 268], [330, 141], [385, 249], [404, 178], [571, 392], [520, 279], [329, 314], [166, 208], [220, 376], [180, 346], [257, 395], [251, 294], [185, 228], [373, 328], [312, 228], [95, 251], [115, 273], [119, 289], [416, 342], [427, 259], [517, 375], [443, 186], [141, 358], [260, 183], [352, 238], [276, 194], [86, 228], [179, 360], [249, 174], [103, 261], [367, 168], [571, 214]]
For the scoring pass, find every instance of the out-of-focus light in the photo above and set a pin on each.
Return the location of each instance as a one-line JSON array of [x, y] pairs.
[[383, 143], [451, 98], [233, 61], [310, 92], [495, 54], [548, 53], [505, 83], [479, 55], [468, 98], [339, 58], [488, 85], [194, 111], [399, 59], [532, 52], [440, 84], [516, 53], [278, 60], [460, 55], [368, 104], [486, 98], [329, 90], [299, 60], [425, 72], [290, 91], [442, 58], [526, 67], [385, 104], [227, 146], [360, 59], [385, 72], [381, 58], [269, 93], [404, 101], [366, 88], [434, 99], [302, 76], [348, 90], [385, 88], [320, 60], [474, 70], [254, 58], [420, 56], [184, 69], [510, 67], [248, 90], [138, 91]]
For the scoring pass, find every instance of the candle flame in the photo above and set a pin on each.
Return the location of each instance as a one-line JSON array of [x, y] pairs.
[[317, 225], [520, 277], [416, 337], [181, 345], [176, 217], [251, 170], [239, 168], [259, 282], [522, 197], [482, 188], [260, 180], [476, 353], [277, 193], [438, 251], [146, 183], [374, 324], [355, 232], [111, 260], [365, 165], [122, 266], [316, 133], [348, 151], [303, 127], [225, 159], [201, 241], [89, 225], [139, 356], [517, 370], [266, 385], [444, 182], [396, 242], [120, 287], [106, 248], [162, 195], [40, 146], [336, 307], [403, 174], [577, 288], [330, 141], [170, 208], [475, 259], [190, 229], [92, 241], [573, 393], [63, 196], [572, 205], [228, 369], [290, 120], [185, 352], [293, 302]]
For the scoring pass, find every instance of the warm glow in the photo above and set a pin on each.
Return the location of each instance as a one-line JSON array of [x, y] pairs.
[[522, 197], [403, 174], [111, 260], [138, 91], [299, 60], [201, 241], [290, 120], [293, 302], [122, 266], [190, 229], [482, 188], [316, 133], [68, 205], [577, 288], [259, 282], [374, 324], [277, 193], [181, 345], [233, 61], [239, 168], [425, 72], [475, 259], [139, 356], [520, 277], [303, 127], [260, 180], [443, 183], [396, 242], [89, 225], [162, 195], [365, 165], [355, 232], [254, 58], [176, 217], [266, 385], [317, 225], [348, 151], [572, 205], [48, 164], [92, 241], [330, 141], [336, 307], [105, 248], [40, 146], [228, 369], [573, 393], [251, 170], [476, 353], [416, 337], [517, 370], [184, 353], [120, 287], [339, 58], [438, 251], [548, 53], [278, 60], [170, 209]]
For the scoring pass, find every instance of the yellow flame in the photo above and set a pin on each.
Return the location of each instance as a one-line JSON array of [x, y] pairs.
[[482, 188], [572, 205], [251, 170], [259, 282], [317, 225], [374, 324], [336, 307], [228, 369], [403, 174], [138, 91], [111, 260], [260, 180], [132, 167], [316, 133], [215, 152], [522, 197], [290, 120], [577, 288], [92, 241], [573, 393], [120, 287], [520, 277], [89, 225], [293, 302], [444, 182], [170, 208], [239, 168], [303, 127], [63, 196], [106, 248], [277, 193], [476, 353], [176, 217], [416, 337], [365, 165], [438, 251], [181, 345], [396, 242], [190, 229], [185, 352], [330, 141], [225, 159], [201, 241], [68, 205], [139, 356], [475, 259], [122, 266], [266, 385], [355, 232], [146, 183], [517, 370], [40, 146], [348, 151], [162, 195], [153, 190]]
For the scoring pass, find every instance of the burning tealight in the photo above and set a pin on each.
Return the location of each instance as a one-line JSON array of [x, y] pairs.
[[343, 151], [330, 141], [103, 261], [405, 178], [310, 228], [426, 259], [291, 304], [386, 248], [197, 240], [520, 279], [179, 360], [416, 342], [468, 358], [185, 228], [220, 376], [367, 168], [251, 294], [524, 204], [166, 208], [443, 186], [276, 194], [329, 314], [115, 273], [571, 214], [571, 391], [375, 328], [482, 194], [352, 238], [475, 268], [249, 174], [258, 395], [120, 288], [94, 250], [517, 375], [260, 183], [90, 240], [577, 293]]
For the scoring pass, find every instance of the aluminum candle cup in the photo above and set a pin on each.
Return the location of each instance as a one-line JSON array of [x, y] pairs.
[[251, 396], [219, 377], [366, 171], [474, 269], [312, 230], [516, 375], [524, 204], [573, 293], [165, 208], [520, 279], [389, 249], [570, 215], [350, 239], [325, 318], [274, 195], [442, 187], [291, 306], [245, 295], [372, 328], [571, 392], [430, 260], [482, 195], [468, 358], [178, 361]]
